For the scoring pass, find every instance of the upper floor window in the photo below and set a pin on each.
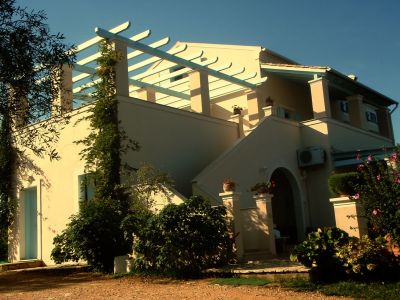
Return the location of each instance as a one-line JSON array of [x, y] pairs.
[[371, 117], [87, 186], [344, 106]]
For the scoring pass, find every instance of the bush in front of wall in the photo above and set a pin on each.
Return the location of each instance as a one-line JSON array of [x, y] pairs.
[[182, 240], [369, 259], [93, 235], [343, 184], [319, 252]]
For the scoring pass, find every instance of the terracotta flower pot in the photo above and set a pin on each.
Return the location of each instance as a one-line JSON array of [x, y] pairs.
[[229, 186]]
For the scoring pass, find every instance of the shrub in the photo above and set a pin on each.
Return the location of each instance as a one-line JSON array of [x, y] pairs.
[[319, 252], [369, 259], [94, 235], [3, 244], [343, 184], [379, 195], [182, 240]]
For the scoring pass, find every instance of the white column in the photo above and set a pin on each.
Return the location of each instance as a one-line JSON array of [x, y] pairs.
[[231, 202], [199, 92], [320, 98], [264, 206], [121, 69], [63, 102]]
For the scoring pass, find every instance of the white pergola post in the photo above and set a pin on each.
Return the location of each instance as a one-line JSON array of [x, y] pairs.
[[121, 69], [64, 100], [199, 92]]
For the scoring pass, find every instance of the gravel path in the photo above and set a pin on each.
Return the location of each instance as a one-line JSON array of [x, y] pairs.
[[53, 284]]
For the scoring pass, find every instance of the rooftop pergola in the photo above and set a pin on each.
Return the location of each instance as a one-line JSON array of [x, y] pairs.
[[171, 82]]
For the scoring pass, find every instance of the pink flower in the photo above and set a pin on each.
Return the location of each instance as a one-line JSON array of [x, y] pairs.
[[356, 196], [360, 167], [358, 157], [393, 157], [369, 158], [379, 177], [376, 211]]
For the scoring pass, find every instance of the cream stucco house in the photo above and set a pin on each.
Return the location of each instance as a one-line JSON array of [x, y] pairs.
[[297, 124]]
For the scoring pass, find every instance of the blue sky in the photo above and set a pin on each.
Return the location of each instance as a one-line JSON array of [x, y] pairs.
[[354, 37]]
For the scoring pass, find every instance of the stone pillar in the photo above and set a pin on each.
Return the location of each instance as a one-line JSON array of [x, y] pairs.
[[385, 122], [264, 207], [268, 111], [199, 92], [63, 101], [348, 216], [238, 119], [121, 69], [356, 112], [147, 94], [320, 98], [231, 202], [253, 107]]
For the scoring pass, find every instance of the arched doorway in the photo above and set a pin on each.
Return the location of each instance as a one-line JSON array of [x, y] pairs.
[[286, 206]]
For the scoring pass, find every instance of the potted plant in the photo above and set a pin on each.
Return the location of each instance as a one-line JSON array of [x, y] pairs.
[[229, 185], [237, 110], [263, 187]]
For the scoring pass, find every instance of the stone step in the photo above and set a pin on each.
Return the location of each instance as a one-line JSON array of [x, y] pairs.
[[23, 264]]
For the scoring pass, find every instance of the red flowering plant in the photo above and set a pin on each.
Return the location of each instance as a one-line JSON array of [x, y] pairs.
[[379, 194], [264, 187]]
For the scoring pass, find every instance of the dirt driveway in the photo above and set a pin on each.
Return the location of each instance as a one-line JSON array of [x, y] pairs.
[[62, 284]]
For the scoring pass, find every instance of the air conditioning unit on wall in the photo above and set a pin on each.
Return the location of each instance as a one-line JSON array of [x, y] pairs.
[[311, 156]]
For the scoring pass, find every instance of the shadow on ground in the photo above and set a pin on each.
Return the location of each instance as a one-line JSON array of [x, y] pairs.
[[44, 279]]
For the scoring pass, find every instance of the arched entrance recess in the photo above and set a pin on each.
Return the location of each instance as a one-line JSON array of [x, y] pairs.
[[287, 211]]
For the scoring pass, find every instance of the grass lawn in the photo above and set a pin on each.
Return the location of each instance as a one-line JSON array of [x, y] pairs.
[[236, 281], [376, 290]]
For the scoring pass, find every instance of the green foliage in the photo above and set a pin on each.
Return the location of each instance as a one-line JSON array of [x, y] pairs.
[[357, 290], [3, 245], [94, 235], [369, 259], [238, 281], [31, 60], [106, 142], [7, 201], [319, 252], [145, 183], [379, 195], [182, 240], [343, 184]]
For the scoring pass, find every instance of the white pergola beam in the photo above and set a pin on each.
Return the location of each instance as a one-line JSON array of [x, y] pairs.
[[97, 39], [163, 55]]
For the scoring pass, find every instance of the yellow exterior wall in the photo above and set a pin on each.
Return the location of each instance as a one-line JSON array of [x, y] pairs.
[[178, 142], [269, 146], [57, 185]]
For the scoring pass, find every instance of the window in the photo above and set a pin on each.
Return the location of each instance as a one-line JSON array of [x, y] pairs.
[[344, 106], [371, 117], [86, 185]]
